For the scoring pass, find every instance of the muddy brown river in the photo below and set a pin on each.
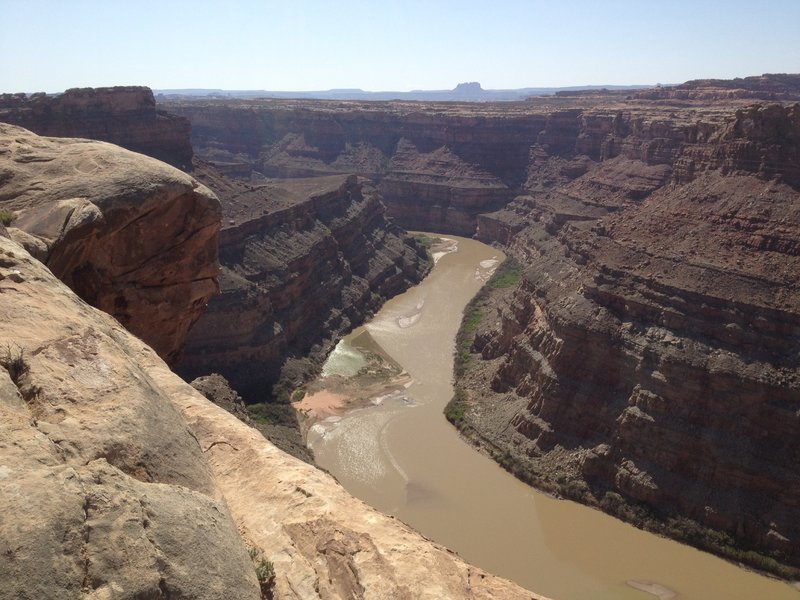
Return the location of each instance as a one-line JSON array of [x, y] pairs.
[[399, 454]]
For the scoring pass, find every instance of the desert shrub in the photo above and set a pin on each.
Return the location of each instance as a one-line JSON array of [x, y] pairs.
[[7, 216], [454, 411], [265, 573], [13, 360]]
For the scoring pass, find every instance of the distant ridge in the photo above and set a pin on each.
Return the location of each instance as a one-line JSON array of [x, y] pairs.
[[463, 92]]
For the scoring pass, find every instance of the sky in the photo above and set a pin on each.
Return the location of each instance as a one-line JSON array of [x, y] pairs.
[[389, 45]]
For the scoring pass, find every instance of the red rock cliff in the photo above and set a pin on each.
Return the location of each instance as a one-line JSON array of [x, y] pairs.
[[125, 116], [437, 165], [650, 350], [130, 234]]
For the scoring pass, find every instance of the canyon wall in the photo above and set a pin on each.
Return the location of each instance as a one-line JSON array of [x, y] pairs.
[[648, 356], [437, 165], [125, 116], [130, 234], [303, 262], [649, 353]]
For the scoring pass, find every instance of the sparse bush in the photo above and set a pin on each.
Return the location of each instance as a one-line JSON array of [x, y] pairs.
[[265, 573], [13, 360], [576, 489], [454, 411], [7, 216]]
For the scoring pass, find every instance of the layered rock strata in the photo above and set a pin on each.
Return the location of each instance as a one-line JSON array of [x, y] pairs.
[[436, 165], [650, 352], [120, 480], [303, 261], [125, 116], [130, 234]]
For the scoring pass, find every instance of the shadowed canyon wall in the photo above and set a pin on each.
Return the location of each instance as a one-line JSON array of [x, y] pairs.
[[303, 262], [436, 166], [126, 116]]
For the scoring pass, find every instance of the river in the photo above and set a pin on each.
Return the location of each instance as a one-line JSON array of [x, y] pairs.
[[399, 454]]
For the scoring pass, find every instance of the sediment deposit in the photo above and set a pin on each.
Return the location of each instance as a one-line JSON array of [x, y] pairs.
[[303, 261]]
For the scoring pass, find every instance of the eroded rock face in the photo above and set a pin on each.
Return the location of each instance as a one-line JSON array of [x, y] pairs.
[[105, 489], [437, 165], [130, 234], [303, 262], [125, 116]]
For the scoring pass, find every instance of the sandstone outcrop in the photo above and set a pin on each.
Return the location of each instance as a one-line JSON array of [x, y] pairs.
[[303, 261], [105, 490], [125, 116], [119, 480], [130, 234]]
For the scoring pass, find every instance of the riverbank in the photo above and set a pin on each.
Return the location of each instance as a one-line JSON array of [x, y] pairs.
[[482, 416], [402, 457]]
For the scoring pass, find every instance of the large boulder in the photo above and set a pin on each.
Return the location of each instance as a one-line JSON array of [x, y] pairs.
[[131, 235], [104, 489]]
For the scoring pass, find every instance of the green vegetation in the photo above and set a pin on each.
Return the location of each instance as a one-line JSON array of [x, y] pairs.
[[424, 241], [7, 216], [265, 573], [454, 411], [506, 276], [271, 413]]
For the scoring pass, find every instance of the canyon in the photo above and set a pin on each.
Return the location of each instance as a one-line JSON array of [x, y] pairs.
[[644, 359], [120, 480], [646, 362]]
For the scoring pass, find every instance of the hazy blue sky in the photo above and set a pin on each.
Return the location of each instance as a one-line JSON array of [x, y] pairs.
[[51, 45]]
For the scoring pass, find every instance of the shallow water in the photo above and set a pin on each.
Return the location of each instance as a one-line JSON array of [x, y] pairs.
[[402, 456]]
